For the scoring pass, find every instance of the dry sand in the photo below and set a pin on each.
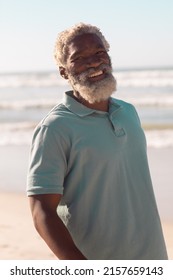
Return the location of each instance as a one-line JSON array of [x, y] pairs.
[[19, 239]]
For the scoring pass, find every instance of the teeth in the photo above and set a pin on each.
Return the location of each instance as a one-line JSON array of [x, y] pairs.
[[96, 74]]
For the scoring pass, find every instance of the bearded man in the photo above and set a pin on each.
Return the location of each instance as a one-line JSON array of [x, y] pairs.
[[89, 153]]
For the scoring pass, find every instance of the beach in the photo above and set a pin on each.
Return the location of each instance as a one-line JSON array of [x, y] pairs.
[[18, 237]]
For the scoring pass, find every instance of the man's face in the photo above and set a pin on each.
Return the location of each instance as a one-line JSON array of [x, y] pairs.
[[89, 68]]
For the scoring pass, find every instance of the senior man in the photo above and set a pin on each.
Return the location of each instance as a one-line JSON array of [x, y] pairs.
[[89, 153]]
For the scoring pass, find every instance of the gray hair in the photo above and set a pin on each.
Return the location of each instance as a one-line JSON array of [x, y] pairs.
[[64, 38]]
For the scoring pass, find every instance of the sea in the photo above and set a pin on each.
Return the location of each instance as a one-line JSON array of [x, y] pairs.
[[25, 98]]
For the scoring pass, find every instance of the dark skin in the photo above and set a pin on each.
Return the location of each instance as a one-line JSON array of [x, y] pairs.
[[51, 228], [84, 51]]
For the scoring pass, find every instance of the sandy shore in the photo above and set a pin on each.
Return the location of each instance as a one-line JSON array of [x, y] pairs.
[[18, 238]]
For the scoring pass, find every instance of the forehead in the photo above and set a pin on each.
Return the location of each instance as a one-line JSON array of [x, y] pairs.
[[84, 42]]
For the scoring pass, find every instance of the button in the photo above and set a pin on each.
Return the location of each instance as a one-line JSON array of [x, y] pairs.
[[119, 132]]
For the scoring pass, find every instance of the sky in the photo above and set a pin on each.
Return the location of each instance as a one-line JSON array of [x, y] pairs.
[[140, 32]]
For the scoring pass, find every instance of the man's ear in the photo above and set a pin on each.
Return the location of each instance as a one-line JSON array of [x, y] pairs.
[[63, 72]]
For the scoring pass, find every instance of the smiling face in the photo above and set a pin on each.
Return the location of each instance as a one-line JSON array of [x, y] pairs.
[[88, 68]]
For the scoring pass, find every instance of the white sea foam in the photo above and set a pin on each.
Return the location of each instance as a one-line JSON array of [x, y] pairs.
[[16, 133], [153, 100], [31, 80], [28, 104], [159, 138], [145, 78]]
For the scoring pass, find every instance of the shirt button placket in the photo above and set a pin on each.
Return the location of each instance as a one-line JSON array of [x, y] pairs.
[[118, 130]]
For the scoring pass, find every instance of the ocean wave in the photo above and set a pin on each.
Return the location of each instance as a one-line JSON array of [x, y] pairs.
[[159, 138], [130, 78], [21, 134], [31, 80], [16, 133], [28, 104], [154, 101], [149, 78]]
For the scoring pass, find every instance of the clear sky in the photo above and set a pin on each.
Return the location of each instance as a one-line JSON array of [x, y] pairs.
[[140, 32]]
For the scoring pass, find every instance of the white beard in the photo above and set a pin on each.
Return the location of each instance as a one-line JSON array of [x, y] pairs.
[[96, 91]]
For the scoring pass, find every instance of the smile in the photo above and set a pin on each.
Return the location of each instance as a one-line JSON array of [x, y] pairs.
[[98, 73]]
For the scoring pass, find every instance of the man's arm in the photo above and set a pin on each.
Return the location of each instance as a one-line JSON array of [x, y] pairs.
[[51, 228]]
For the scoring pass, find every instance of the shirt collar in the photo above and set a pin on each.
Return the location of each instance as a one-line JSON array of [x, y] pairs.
[[79, 109]]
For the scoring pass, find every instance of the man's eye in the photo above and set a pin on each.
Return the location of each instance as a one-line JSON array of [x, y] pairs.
[[101, 52], [78, 58]]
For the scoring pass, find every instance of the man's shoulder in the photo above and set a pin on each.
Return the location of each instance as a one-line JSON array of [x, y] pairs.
[[121, 102], [127, 108], [56, 116]]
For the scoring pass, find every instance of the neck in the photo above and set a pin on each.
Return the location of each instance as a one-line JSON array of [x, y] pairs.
[[100, 106]]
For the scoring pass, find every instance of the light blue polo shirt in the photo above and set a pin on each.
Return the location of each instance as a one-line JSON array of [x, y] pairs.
[[98, 162]]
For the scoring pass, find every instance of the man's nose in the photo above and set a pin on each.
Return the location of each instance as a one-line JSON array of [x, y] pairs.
[[93, 61]]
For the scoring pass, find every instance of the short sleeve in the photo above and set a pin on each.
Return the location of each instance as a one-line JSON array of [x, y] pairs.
[[48, 163]]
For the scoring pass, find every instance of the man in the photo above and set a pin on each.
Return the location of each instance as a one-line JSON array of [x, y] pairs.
[[89, 153]]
